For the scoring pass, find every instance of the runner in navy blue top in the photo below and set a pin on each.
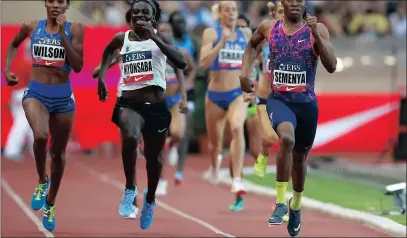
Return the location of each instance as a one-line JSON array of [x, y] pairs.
[[296, 43]]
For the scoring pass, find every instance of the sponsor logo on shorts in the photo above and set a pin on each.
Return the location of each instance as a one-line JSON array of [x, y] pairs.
[[162, 130], [308, 147]]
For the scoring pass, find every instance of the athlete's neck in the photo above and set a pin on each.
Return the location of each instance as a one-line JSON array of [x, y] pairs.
[[52, 23], [231, 28], [293, 23], [141, 34]]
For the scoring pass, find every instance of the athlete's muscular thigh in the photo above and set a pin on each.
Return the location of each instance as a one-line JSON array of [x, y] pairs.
[[130, 123], [38, 117], [307, 120], [215, 124]]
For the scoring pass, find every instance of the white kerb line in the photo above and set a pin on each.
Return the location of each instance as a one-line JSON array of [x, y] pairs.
[[17, 199], [106, 179]]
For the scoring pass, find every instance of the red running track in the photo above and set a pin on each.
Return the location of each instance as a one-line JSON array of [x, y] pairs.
[[88, 202]]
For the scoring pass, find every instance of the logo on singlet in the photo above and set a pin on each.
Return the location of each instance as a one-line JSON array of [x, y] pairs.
[[48, 52], [289, 78], [170, 74], [137, 67], [231, 56]]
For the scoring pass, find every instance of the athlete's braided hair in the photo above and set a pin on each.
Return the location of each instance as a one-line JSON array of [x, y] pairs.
[[156, 8]]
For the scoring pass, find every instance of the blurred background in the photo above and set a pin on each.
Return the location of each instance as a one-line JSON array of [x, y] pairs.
[[362, 124]]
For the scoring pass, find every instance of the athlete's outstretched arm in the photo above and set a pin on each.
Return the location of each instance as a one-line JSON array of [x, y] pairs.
[[208, 51], [324, 47], [25, 30], [173, 54], [250, 54], [21, 35], [74, 49], [115, 60], [110, 53], [191, 69]]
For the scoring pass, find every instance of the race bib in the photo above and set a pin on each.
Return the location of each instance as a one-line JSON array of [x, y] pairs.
[[288, 81], [137, 67], [230, 58], [48, 55]]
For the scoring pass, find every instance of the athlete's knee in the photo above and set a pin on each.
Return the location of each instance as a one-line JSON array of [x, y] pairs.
[[130, 137], [153, 160], [287, 141], [57, 156], [270, 139], [40, 136], [236, 130], [176, 135]]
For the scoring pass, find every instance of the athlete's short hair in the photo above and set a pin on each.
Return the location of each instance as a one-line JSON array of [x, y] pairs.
[[156, 8], [244, 17]]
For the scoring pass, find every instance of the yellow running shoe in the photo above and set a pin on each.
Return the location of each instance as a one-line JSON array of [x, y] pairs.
[[261, 165]]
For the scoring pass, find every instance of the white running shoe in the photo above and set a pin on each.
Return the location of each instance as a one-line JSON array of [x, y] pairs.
[[173, 156], [238, 187], [134, 213], [162, 188], [212, 174]]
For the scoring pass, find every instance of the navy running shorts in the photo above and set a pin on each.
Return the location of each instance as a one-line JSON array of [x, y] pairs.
[[303, 116]]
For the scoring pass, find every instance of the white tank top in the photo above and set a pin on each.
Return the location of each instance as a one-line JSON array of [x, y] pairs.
[[142, 64]]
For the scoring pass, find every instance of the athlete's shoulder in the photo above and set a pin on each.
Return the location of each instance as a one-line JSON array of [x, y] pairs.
[[165, 37], [29, 25], [209, 33], [77, 25], [322, 31], [321, 27], [266, 25], [120, 35], [77, 28]]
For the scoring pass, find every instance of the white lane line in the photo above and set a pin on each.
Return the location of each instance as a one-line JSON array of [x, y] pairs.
[[30, 214], [108, 180]]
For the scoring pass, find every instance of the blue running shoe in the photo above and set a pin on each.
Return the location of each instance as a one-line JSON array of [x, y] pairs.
[[237, 206], [294, 222], [179, 178], [147, 214], [277, 218], [39, 196], [48, 218], [126, 205]]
